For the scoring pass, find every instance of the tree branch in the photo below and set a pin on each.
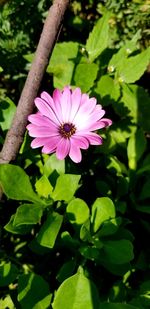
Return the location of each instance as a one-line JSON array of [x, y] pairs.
[[14, 137]]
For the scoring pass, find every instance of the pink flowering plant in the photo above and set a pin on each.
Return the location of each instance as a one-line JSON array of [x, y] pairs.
[[75, 207], [65, 123]]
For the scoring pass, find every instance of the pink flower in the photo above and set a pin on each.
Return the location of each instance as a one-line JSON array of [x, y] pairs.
[[64, 123]]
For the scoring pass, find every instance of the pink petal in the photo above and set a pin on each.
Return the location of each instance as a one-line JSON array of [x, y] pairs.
[[40, 141], [102, 123], [57, 95], [46, 97], [80, 141], [107, 122], [40, 120], [87, 105], [75, 152], [36, 131], [66, 104], [46, 110], [51, 145], [76, 100], [63, 148], [84, 121], [93, 138]]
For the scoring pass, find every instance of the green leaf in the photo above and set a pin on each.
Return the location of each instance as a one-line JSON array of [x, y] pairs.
[[77, 211], [123, 53], [28, 214], [145, 191], [66, 270], [63, 74], [33, 292], [43, 187], [16, 184], [109, 227], [136, 147], [29, 57], [143, 99], [117, 166], [21, 229], [85, 233], [66, 187], [90, 253], [7, 303], [7, 111], [116, 306], [132, 68], [98, 38], [136, 104], [53, 164], [8, 273], [118, 251], [85, 75], [76, 292], [145, 165], [49, 230], [108, 90], [128, 105], [103, 209], [62, 63]]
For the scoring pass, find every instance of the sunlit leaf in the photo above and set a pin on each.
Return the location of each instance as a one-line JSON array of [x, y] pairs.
[[16, 184], [76, 292], [49, 230], [103, 209], [98, 38], [66, 187]]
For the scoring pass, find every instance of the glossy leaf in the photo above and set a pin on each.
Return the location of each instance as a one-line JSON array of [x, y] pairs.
[[28, 214], [49, 230], [21, 229], [16, 184], [66, 187], [103, 209], [53, 164], [76, 292], [43, 187], [77, 211]]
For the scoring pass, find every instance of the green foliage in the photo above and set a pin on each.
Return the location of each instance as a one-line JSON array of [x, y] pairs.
[[76, 292], [76, 235]]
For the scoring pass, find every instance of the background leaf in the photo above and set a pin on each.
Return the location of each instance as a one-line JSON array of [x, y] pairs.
[[98, 38]]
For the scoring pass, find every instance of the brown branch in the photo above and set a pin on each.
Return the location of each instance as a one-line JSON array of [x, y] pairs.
[[14, 137]]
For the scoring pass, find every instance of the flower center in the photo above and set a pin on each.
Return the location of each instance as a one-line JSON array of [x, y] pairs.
[[67, 129]]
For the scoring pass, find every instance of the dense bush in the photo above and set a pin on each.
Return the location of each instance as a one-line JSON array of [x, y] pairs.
[[76, 235]]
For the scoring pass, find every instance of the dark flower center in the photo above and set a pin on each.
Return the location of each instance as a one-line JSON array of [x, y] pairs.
[[67, 129]]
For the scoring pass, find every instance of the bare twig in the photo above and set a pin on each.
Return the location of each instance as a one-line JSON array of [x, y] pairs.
[[48, 37]]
